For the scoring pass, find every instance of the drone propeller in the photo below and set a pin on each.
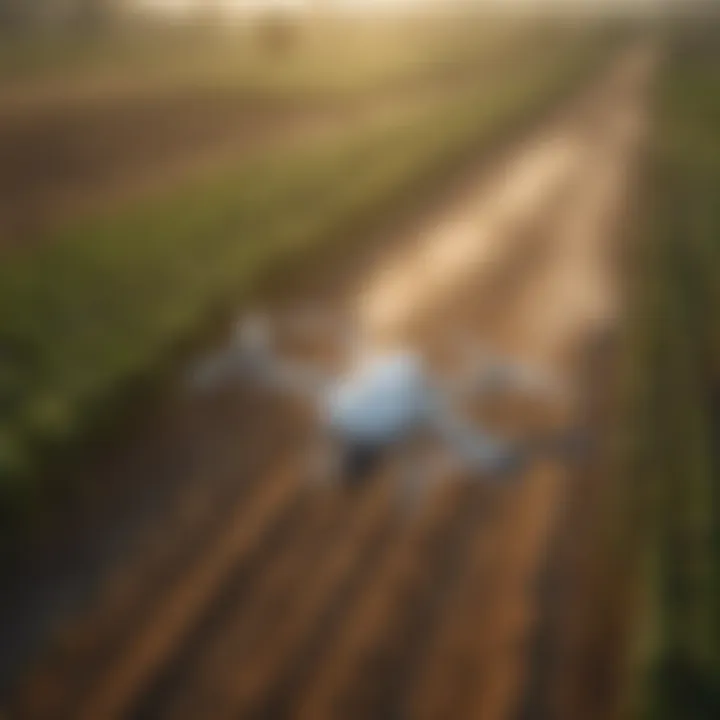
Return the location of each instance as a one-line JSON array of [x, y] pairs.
[[247, 351], [482, 371]]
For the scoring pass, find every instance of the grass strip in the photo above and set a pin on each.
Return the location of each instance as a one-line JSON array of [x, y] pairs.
[[671, 461]]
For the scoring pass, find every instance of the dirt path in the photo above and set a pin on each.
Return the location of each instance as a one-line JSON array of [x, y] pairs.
[[250, 595]]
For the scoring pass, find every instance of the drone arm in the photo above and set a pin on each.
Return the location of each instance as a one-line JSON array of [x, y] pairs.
[[218, 369], [476, 450], [499, 376], [293, 377], [235, 364]]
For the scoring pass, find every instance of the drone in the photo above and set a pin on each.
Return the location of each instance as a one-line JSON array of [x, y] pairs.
[[387, 400]]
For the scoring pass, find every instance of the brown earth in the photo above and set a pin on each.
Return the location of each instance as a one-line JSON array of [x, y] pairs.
[[235, 590]]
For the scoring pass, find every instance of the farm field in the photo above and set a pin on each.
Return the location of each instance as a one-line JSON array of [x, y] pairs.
[[97, 308], [223, 585]]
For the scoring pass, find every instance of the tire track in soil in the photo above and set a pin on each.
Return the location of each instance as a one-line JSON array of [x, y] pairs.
[[389, 673], [340, 575], [92, 642], [484, 625], [237, 632], [281, 697], [241, 543], [232, 614], [372, 605]]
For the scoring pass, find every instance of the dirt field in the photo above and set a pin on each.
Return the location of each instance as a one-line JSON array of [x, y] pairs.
[[228, 588]]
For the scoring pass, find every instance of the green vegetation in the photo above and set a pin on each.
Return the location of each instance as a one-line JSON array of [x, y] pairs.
[[101, 306], [672, 449]]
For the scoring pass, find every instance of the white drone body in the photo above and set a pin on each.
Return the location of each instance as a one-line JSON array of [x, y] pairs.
[[381, 402]]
